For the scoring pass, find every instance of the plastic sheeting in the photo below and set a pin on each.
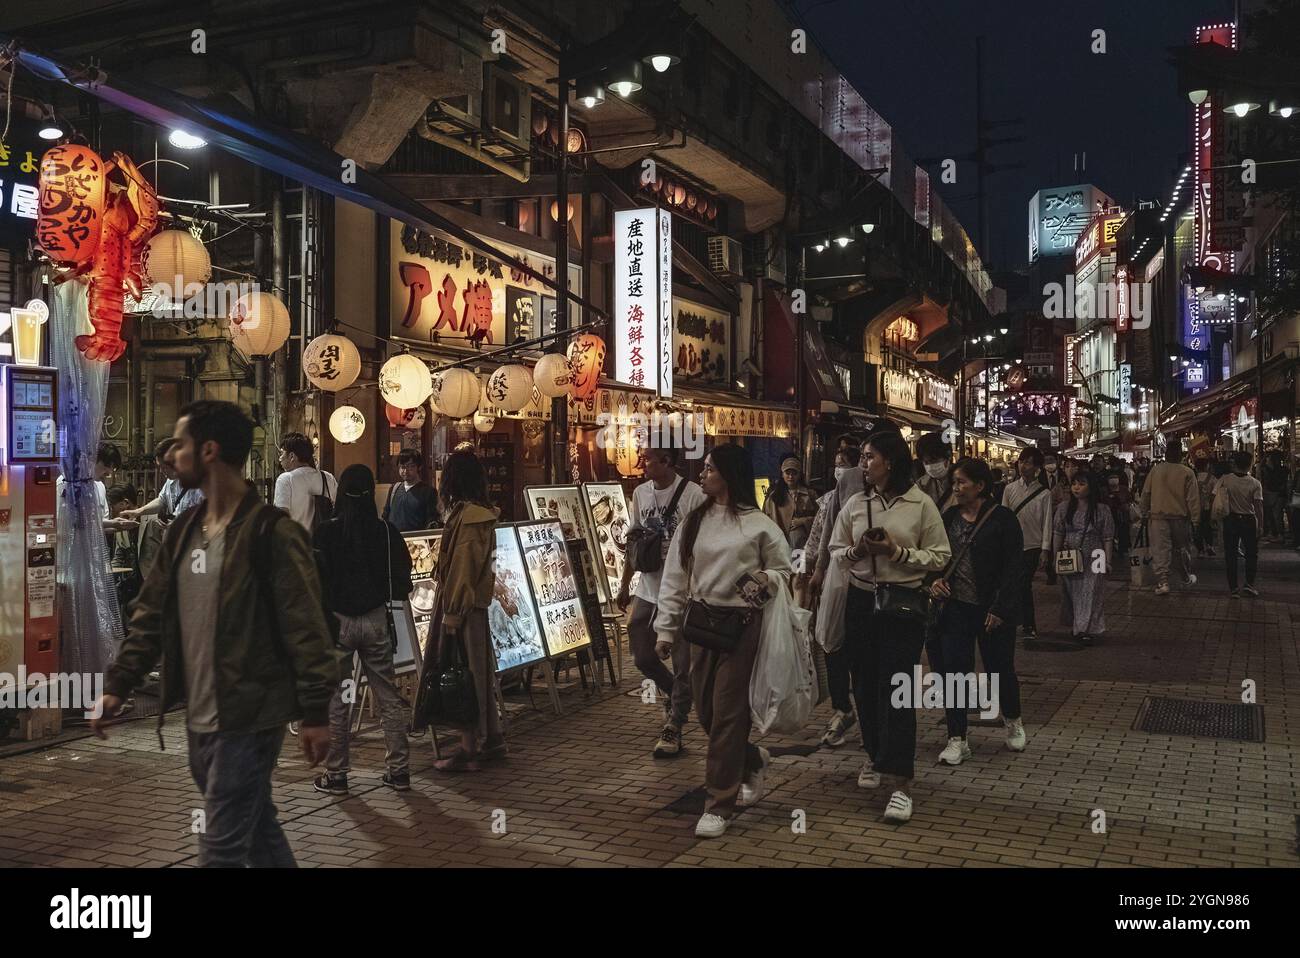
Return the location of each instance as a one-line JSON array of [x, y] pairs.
[[91, 624]]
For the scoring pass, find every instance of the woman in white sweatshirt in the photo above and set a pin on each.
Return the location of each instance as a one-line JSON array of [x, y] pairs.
[[722, 540], [891, 534]]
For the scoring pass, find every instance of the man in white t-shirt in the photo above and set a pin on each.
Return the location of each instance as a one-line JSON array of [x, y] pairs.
[[297, 487], [653, 508]]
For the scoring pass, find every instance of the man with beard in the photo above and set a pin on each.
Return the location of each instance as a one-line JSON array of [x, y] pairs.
[[232, 608]]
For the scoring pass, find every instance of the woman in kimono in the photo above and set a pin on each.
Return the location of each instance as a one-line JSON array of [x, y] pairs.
[[1084, 522]]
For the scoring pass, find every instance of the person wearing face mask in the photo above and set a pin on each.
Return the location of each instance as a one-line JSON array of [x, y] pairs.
[[846, 486], [936, 459]]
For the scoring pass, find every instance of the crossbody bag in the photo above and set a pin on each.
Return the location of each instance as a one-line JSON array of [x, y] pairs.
[[909, 603], [645, 547], [1070, 561], [961, 553], [718, 628]]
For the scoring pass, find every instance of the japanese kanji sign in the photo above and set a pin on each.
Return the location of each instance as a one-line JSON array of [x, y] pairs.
[[643, 284]]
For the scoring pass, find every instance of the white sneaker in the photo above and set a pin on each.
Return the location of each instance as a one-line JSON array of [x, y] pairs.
[[1191, 579], [1016, 738], [751, 790], [899, 808], [1162, 588], [868, 777], [710, 826], [956, 752], [837, 728]]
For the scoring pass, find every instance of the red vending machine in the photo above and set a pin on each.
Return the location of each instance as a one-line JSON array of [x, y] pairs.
[[28, 470]]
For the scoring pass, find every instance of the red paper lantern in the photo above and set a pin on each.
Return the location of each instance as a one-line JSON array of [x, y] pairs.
[[404, 418], [586, 360], [73, 191]]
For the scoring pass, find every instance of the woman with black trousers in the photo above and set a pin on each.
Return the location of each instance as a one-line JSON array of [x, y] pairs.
[[890, 536], [980, 591]]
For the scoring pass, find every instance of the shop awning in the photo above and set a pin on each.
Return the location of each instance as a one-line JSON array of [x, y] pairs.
[[265, 145], [913, 417]]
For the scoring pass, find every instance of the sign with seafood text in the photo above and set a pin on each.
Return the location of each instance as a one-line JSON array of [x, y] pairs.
[[443, 292], [701, 345], [643, 305]]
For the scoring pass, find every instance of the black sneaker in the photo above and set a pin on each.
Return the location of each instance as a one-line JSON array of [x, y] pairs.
[[398, 781], [331, 783]]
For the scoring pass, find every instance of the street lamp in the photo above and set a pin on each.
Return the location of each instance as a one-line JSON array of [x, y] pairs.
[[590, 92], [1197, 96], [1277, 109], [1241, 108], [625, 79], [662, 61]]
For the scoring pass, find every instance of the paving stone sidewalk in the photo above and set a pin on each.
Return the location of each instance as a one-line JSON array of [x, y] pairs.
[[582, 789]]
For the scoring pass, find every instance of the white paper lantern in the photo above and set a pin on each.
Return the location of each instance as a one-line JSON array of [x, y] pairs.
[[552, 375], [173, 260], [484, 422], [404, 381], [331, 362], [510, 387], [347, 424], [259, 324], [455, 392]]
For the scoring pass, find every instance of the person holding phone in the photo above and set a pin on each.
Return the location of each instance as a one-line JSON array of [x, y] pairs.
[[890, 536], [980, 591]]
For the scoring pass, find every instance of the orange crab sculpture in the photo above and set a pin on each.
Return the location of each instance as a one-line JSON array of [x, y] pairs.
[[98, 227]]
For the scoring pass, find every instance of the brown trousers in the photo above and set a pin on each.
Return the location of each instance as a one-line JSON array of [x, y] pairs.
[[720, 688]]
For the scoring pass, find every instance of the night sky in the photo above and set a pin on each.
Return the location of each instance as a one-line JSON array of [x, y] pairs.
[[914, 62]]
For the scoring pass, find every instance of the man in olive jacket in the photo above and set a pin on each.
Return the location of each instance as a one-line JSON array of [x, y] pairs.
[[245, 662]]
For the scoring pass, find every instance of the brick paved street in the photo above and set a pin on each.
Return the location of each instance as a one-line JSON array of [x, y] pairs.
[[582, 789]]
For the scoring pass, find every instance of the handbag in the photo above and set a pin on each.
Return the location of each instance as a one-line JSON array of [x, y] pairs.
[[900, 601], [645, 546], [1070, 561], [712, 627], [450, 696]]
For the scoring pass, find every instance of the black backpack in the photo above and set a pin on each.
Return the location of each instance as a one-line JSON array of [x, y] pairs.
[[645, 547]]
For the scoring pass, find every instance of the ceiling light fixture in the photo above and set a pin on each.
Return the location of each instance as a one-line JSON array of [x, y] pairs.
[[185, 141]]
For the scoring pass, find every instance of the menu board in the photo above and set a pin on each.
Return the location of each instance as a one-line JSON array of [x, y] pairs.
[[423, 547], [498, 458], [564, 504], [607, 507], [563, 621], [511, 619]]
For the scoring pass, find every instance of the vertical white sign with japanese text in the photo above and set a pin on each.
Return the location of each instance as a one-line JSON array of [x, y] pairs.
[[643, 299]]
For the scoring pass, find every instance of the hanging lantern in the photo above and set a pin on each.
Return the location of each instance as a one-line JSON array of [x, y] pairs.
[[404, 418], [510, 388], [404, 381], [73, 196], [331, 362], [679, 195], [540, 123], [551, 375], [586, 360], [455, 392], [555, 210], [713, 211], [575, 141], [174, 260], [347, 424], [691, 201], [259, 323], [484, 422]]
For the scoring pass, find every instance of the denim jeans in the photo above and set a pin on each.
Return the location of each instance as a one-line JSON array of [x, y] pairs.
[[233, 773], [367, 636]]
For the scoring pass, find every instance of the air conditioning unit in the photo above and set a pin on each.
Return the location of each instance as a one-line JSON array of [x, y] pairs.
[[507, 107], [457, 114], [725, 257]]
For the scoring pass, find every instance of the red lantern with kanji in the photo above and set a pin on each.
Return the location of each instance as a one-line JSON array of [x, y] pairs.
[[73, 191], [586, 360], [404, 418]]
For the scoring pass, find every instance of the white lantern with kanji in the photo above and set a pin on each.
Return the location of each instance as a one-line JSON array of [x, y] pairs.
[[174, 260], [484, 422], [347, 424], [404, 381], [259, 324], [331, 362], [510, 388], [552, 375], [455, 392]]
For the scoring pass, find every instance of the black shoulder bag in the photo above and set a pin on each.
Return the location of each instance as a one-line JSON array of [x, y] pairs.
[[645, 547], [718, 628], [908, 603]]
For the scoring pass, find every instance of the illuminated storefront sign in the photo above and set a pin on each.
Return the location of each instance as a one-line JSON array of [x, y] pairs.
[[1071, 359], [1126, 388], [938, 395], [898, 389], [1121, 299], [643, 309], [1057, 216], [701, 342], [20, 173]]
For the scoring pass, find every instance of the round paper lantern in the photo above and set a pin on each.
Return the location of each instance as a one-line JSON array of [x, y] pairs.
[[331, 362], [347, 424], [484, 422], [404, 381], [175, 259], [551, 375], [586, 359], [455, 392], [404, 418], [73, 196], [510, 387], [259, 324]]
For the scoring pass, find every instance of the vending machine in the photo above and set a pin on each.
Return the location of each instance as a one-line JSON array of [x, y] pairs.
[[28, 470]]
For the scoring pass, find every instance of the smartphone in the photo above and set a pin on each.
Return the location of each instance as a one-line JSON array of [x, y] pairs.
[[876, 534], [752, 591]]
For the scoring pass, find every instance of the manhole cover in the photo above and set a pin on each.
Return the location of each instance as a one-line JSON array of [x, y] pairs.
[[1228, 720]]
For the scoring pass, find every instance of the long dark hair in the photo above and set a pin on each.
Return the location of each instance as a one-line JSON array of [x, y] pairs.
[[1094, 496], [463, 480], [779, 492], [355, 505], [893, 447], [732, 463]]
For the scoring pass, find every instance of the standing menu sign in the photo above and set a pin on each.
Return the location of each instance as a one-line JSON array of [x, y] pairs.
[[607, 508], [512, 619], [563, 622], [423, 547], [564, 504]]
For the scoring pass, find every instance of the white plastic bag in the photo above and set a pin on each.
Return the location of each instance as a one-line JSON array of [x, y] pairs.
[[783, 686], [830, 607]]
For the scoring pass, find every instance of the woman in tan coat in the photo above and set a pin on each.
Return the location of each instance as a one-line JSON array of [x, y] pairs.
[[464, 588]]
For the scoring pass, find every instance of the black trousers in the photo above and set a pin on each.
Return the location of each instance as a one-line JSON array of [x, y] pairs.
[[882, 647], [951, 647], [838, 677], [1030, 562], [1240, 529]]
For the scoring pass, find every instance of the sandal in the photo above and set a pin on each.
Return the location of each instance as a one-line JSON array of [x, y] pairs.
[[458, 761]]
